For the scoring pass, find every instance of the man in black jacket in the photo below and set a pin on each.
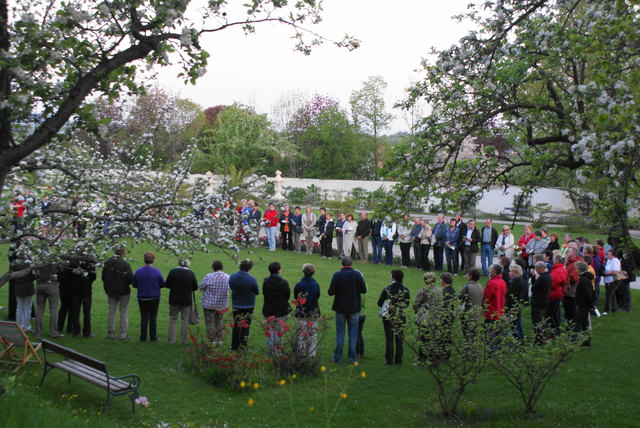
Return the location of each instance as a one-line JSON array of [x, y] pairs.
[[346, 285], [362, 234], [489, 236], [326, 237], [117, 277], [539, 295], [181, 283], [469, 245]]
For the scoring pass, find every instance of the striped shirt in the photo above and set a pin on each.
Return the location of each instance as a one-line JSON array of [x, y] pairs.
[[215, 291]]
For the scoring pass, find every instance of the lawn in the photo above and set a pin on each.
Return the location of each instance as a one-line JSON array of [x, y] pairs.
[[597, 388]]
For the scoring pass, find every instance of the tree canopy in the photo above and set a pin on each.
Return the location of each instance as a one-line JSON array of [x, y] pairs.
[[557, 80], [54, 55]]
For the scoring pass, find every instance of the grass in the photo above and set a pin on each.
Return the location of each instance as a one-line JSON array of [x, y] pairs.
[[597, 388]]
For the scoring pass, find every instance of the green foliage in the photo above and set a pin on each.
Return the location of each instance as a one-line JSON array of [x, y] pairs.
[[538, 212], [241, 138], [532, 97], [336, 149], [529, 366], [238, 371], [297, 195]]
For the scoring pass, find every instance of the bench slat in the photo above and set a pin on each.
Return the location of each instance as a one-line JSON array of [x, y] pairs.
[[91, 375]]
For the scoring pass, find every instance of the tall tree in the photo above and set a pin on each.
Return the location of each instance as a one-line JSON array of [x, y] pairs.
[[558, 81], [368, 111], [240, 138], [55, 54], [334, 147]]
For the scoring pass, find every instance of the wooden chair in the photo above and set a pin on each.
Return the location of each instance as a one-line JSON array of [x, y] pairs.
[[13, 338]]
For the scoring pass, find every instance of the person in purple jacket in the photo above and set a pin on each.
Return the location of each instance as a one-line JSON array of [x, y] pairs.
[[148, 280]]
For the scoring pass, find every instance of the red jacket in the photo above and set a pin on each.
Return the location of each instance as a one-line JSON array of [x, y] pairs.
[[522, 243], [495, 294], [273, 217], [559, 279], [574, 276]]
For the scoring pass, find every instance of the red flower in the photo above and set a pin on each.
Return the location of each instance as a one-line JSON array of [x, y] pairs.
[[295, 302], [271, 318], [267, 333], [280, 334], [302, 300], [310, 324], [280, 322], [193, 339], [286, 327], [231, 325]]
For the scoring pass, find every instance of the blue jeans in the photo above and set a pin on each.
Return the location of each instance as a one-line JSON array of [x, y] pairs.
[[486, 256], [388, 251], [271, 237], [376, 244], [352, 324]]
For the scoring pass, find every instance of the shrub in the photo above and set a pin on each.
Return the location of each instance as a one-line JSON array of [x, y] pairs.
[[529, 366], [295, 351], [297, 195], [223, 367]]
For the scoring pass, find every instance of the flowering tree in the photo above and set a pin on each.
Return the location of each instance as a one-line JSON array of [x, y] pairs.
[[556, 79], [54, 55]]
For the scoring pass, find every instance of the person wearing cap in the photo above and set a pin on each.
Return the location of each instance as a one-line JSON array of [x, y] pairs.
[[505, 243], [117, 277], [182, 283]]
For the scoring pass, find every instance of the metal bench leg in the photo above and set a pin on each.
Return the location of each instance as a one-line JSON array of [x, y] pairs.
[[46, 370]]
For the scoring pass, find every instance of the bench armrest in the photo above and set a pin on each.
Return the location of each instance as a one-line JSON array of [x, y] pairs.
[[134, 380]]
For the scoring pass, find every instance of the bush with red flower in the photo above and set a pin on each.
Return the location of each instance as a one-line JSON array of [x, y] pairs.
[[224, 367]]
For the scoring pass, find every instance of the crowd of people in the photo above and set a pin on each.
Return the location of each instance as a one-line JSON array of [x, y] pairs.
[[557, 280]]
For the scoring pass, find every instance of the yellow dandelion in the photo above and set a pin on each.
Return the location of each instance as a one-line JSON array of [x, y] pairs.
[[243, 384], [282, 382], [323, 369], [356, 364], [312, 409], [293, 376], [343, 395], [363, 375], [256, 386], [250, 402]]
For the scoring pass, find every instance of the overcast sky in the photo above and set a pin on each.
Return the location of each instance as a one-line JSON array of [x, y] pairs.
[[257, 69]]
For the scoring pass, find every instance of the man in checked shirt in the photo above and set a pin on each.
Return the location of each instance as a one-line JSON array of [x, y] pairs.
[[215, 302]]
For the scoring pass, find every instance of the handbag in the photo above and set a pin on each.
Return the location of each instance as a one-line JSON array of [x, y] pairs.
[[194, 317], [384, 310], [621, 276]]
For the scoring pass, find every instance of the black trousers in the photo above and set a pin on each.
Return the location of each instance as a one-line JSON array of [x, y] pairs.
[[438, 257], [417, 254], [360, 341], [240, 332], [66, 308], [149, 319], [582, 323], [405, 250], [325, 246], [569, 303], [537, 319], [392, 338], [553, 313], [424, 256], [81, 301], [611, 302], [287, 240]]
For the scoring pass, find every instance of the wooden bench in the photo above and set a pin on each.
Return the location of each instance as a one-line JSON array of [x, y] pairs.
[[90, 370]]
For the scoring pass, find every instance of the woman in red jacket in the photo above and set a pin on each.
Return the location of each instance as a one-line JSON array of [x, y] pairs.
[[559, 279]]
